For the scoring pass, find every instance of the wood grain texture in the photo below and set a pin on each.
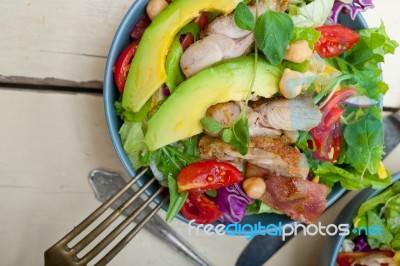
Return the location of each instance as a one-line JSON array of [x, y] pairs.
[[66, 40]]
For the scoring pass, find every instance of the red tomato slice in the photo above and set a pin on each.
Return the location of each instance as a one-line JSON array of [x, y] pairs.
[[198, 207], [347, 258], [327, 135], [334, 40], [207, 175], [121, 67]]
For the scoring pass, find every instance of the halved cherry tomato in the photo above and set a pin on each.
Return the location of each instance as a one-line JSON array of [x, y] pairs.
[[334, 40], [347, 258], [121, 67], [198, 207], [327, 135], [207, 175]]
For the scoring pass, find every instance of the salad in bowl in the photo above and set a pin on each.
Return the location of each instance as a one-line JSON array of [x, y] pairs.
[[374, 230], [248, 107]]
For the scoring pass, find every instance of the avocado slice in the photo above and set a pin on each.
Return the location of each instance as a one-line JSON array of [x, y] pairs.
[[179, 116], [147, 71]]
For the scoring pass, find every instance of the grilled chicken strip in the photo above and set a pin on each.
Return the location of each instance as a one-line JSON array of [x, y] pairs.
[[274, 154], [212, 49], [299, 113], [227, 113]]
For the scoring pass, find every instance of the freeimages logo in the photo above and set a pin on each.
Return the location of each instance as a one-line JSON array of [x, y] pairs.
[[280, 230]]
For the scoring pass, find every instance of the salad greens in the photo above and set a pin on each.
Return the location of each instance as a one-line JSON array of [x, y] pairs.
[[382, 210], [359, 163], [313, 14]]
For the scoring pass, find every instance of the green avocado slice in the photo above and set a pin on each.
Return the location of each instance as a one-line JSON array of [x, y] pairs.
[[179, 116]]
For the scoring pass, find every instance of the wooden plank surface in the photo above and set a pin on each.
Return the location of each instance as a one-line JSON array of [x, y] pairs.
[[67, 40]]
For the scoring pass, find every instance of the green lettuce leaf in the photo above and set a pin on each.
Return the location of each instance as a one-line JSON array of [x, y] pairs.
[[310, 35], [376, 240], [314, 14], [132, 138], [349, 177]]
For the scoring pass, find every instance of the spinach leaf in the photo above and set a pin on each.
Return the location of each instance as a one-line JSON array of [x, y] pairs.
[[365, 144], [273, 31], [244, 19]]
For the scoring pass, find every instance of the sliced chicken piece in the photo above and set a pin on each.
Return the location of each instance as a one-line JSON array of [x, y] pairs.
[[226, 24], [300, 199], [212, 49], [270, 153], [224, 113], [227, 113], [299, 113]]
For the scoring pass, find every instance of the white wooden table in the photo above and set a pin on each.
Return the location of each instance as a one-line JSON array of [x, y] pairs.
[[53, 133]]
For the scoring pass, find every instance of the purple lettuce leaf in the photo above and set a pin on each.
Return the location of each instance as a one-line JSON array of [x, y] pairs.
[[352, 9]]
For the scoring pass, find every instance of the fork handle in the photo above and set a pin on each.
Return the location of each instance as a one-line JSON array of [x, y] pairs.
[[105, 184]]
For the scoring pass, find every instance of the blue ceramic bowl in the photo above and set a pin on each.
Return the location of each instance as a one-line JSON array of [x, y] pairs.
[[331, 247], [120, 41]]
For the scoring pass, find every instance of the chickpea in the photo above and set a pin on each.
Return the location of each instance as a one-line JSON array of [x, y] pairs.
[[254, 187], [298, 52], [154, 7], [291, 84]]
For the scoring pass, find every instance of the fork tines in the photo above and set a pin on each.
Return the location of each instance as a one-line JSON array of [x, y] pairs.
[[60, 254]]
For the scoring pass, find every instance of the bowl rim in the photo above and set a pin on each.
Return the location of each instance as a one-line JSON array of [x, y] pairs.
[[120, 40], [330, 249]]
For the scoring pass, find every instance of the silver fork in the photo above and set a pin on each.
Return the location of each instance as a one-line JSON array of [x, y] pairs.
[[61, 254]]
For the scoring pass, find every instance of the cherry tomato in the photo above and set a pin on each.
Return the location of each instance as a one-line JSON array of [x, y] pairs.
[[121, 67], [334, 40], [207, 175], [198, 207], [347, 258], [327, 135]]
